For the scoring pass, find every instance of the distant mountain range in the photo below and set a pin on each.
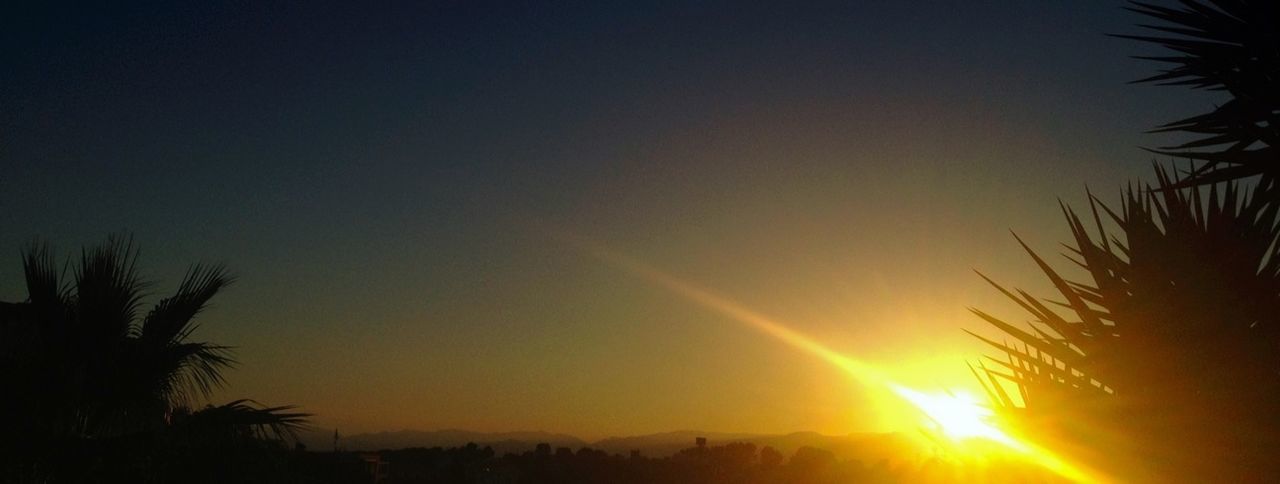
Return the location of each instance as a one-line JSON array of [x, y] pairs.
[[867, 447], [502, 442]]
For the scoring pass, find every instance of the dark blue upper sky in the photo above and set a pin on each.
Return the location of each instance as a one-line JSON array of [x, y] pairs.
[[370, 171]]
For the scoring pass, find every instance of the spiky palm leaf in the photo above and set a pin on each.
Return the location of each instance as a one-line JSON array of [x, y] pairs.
[[1222, 45], [1171, 344], [79, 364], [1164, 361]]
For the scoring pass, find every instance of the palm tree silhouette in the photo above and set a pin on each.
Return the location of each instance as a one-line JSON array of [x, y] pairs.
[[1168, 349], [1229, 46], [85, 370], [1164, 362]]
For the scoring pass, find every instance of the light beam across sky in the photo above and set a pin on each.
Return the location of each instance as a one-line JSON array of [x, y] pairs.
[[356, 167], [958, 417]]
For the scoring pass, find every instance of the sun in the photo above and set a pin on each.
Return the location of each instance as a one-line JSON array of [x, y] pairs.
[[958, 416]]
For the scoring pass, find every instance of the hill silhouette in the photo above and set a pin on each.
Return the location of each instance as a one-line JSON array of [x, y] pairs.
[[501, 442], [866, 447]]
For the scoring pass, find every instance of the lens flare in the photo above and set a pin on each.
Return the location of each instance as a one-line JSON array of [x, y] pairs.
[[957, 417]]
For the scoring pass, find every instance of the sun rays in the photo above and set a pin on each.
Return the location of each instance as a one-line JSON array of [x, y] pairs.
[[958, 417]]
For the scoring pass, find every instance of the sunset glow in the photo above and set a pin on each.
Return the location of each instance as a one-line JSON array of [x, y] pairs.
[[641, 242], [958, 417]]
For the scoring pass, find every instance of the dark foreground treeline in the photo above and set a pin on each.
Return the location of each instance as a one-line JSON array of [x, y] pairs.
[[733, 463]]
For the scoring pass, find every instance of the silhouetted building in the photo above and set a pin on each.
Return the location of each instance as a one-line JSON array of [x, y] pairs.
[[701, 442]]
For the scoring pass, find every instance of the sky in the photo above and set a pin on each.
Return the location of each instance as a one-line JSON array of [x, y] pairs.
[[394, 184]]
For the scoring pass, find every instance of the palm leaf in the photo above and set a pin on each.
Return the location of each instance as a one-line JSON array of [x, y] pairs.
[[1229, 46], [1181, 310], [171, 318], [247, 417]]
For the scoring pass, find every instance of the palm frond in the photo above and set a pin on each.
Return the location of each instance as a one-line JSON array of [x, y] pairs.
[[171, 319], [180, 374], [43, 286], [1177, 322], [89, 374], [1221, 45], [246, 417], [108, 289]]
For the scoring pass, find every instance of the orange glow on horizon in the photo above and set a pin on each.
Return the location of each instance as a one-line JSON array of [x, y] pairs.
[[958, 417]]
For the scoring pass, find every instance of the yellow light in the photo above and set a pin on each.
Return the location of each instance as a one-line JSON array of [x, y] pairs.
[[958, 416]]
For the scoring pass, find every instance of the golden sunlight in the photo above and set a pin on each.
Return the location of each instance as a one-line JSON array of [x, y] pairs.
[[958, 416]]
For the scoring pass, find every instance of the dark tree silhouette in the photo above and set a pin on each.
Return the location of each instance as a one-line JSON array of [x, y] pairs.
[[770, 457], [1163, 363], [90, 385]]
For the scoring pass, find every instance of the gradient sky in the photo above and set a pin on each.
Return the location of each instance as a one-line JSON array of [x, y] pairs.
[[383, 180]]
